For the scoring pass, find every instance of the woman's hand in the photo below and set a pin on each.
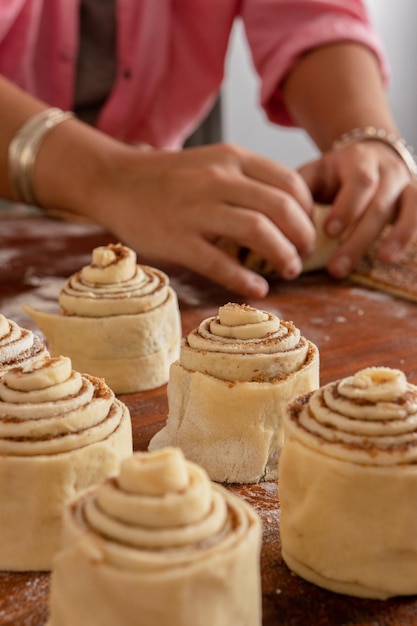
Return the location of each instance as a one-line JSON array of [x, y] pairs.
[[369, 187], [174, 206]]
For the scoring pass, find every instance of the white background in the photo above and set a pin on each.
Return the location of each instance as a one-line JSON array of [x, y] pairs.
[[245, 123]]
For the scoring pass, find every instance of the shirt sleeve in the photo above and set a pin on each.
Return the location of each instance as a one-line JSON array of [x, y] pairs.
[[280, 31]]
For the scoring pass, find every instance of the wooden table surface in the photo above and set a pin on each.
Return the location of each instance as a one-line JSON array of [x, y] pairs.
[[352, 326]]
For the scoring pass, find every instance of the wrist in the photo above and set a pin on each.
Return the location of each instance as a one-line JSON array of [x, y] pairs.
[[73, 169], [24, 147], [370, 133]]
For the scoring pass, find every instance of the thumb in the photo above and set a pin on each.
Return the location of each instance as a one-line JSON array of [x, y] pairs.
[[314, 175]]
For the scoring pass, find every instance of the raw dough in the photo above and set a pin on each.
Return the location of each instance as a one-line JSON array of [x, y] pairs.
[[18, 345], [325, 245], [60, 432], [226, 394], [398, 279], [119, 321], [158, 545], [348, 485]]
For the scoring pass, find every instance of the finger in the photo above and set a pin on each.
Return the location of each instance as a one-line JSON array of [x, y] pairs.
[[278, 177], [365, 170], [246, 228], [279, 207], [224, 159], [206, 259], [404, 230], [359, 182], [364, 232], [320, 179], [257, 232]]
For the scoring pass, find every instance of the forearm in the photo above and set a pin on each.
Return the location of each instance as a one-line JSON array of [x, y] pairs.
[[16, 108], [72, 151], [334, 89]]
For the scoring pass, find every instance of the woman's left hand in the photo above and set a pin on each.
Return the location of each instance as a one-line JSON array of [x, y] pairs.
[[368, 186]]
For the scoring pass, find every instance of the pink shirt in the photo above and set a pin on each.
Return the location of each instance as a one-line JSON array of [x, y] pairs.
[[171, 55]]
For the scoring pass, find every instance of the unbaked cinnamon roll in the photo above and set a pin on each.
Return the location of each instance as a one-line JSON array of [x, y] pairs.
[[60, 432], [348, 485], [119, 321], [160, 545], [18, 345], [237, 372]]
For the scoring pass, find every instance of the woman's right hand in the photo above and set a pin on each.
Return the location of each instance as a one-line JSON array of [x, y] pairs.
[[174, 206]]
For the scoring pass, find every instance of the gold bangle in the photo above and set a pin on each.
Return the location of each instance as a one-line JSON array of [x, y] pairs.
[[370, 133], [24, 147]]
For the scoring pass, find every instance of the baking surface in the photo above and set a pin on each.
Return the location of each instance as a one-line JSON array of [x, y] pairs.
[[353, 327]]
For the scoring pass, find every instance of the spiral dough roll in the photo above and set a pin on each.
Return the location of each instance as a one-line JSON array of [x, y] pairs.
[[18, 345], [119, 321], [237, 372], [162, 542], [60, 432], [348, 484]]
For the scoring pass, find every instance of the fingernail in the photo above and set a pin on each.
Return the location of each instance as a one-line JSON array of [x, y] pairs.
[[341, 266], [334, 228], [293, 269]]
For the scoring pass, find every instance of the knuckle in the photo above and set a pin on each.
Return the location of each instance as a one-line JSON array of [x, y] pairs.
[[291, 180], [257, 224], [364, 177], [231, 149], [399, 168], [286, 207], [228, 153], [380, 209], [213, 174]]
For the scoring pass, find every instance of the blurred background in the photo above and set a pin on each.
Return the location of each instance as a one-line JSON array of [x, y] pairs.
[[244, 123]]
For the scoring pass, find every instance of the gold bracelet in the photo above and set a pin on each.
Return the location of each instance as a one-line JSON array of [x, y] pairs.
[[370, 133], [24, 148]]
